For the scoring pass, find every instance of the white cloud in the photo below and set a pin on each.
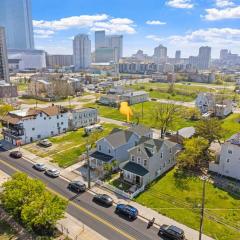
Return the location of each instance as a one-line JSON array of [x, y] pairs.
[[154, 38], [180, 4], [42, 33], [220, 14], [155, 22], [210, 36], [224, 3], [93, 22]]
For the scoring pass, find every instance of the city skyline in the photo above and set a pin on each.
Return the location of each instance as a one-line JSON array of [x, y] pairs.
[[199, 23]]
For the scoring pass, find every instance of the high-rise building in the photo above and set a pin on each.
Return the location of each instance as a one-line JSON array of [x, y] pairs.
[[100, 39], [81, 51], [16, 17], [160, 54], [104, 55], [115, 42], [4, 75], [59, 60], [204, 57], [224, 53], [177, 55]]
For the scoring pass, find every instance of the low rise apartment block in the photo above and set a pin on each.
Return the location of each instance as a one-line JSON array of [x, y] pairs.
[[26, 126]]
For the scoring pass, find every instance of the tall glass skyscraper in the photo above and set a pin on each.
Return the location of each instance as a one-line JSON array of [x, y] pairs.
[[16, 17]]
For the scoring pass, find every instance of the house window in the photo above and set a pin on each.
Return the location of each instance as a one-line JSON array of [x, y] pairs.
[[132, 158], [99, 147], [39, 136], [161, 155], [138, 160], [145, 162], [61, 115], [61, 123], [57, 117], [45, 118], [50, 118], [51, 132], [139, 149], [228, 160], [33, 129], [170, 150], [109, 150], [230, 151], [58, 124], [40, 114]]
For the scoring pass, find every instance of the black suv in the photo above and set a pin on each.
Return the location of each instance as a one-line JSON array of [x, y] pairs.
[[172, 232], [103, 199], [77, 186]]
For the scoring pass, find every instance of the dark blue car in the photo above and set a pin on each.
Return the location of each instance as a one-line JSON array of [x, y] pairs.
[[127, 210]]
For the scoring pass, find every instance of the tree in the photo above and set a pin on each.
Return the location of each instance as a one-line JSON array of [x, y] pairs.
[[194, 154], [137, 116], [192, 114], [29, 201], [210, 129], [165, 115], [4, 109]]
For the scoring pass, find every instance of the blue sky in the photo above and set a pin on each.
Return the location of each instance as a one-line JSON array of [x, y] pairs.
[[177, 24]]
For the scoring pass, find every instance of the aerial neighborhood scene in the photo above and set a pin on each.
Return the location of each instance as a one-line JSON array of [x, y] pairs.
[[119, 120]]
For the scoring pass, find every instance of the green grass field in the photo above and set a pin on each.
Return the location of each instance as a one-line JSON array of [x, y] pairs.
[[179, 197], [68, 147], [231, 124]]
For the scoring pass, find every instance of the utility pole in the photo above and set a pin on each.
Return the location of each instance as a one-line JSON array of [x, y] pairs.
[[202, 209], [142, 111], [88, 163]]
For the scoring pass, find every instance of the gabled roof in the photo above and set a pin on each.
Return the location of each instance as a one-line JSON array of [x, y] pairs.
[[147, 145], [119, 138], [135, 168], [140, 130]]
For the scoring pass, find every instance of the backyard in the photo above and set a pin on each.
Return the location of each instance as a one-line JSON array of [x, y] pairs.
[[178, 196], [68, 147]]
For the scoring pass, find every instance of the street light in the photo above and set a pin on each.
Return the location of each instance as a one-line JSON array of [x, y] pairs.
[[204, 178], [88, 146]]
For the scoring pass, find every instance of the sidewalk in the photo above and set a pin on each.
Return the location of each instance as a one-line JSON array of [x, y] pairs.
[[69, 226], [146, 214]]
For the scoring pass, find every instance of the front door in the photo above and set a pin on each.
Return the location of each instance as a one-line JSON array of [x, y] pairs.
[[137, 180]]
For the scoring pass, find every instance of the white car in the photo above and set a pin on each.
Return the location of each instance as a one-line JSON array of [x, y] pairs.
[[53, 172]]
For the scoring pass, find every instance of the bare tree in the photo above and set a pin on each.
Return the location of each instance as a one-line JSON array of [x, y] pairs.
[[165, 116]]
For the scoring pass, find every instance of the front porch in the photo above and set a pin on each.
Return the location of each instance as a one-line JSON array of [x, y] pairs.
[[135, 174], [98, 159]]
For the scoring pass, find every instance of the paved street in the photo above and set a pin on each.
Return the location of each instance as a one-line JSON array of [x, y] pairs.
[[100, 219]]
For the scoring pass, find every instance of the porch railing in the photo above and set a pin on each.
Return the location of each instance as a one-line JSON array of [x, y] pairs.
[[119, 191]]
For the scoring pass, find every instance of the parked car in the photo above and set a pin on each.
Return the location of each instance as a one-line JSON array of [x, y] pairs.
[[53, 172], [171, 232], [127, 210], [104, 199], [77, 186], [40, 166], [154, 99], [15, 154], [45, 143]]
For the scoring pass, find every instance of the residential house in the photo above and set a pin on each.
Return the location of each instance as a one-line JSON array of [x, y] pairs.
[[205, 102], [82, 117], [228, 161], [208, 103], [41, 88], [25, 126], [116, 145], [148, 160], [135, 97], [182, 134], [110, 100]]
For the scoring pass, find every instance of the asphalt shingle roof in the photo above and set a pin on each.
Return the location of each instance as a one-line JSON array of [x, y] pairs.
[[101, 156], [135, 168]]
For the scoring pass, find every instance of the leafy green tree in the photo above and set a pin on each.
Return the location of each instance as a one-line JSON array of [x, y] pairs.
[[210, 129], [4, 109], [165, 116], [194, 154], [29, 201], [43, 212]]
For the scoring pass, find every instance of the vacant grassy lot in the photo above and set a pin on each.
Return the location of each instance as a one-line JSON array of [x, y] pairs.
[[178, 196], [231, 124], [68, 147], [148, 114], [6, 233]]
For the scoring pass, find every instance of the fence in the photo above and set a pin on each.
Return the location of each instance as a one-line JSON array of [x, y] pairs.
[[119, 191]]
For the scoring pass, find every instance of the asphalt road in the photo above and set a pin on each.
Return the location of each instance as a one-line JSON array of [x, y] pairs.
[[103, 220]]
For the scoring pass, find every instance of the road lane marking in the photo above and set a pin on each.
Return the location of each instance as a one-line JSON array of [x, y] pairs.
[[79, 207]]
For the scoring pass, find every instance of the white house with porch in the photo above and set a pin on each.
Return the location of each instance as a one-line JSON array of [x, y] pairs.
[[148, 160]]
